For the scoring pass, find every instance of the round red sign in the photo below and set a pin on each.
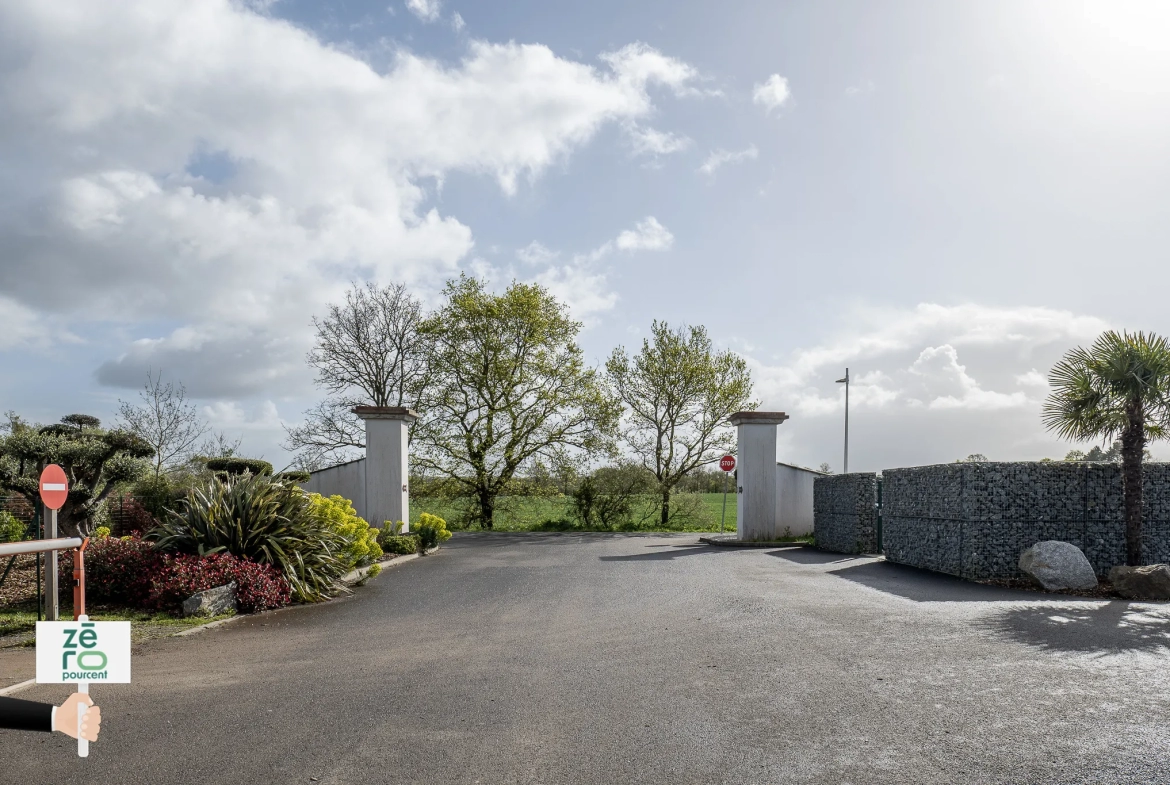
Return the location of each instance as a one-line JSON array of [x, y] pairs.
[[727, 463], [54, 487]]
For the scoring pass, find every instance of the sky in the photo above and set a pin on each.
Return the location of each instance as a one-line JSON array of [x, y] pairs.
[[942, 197]]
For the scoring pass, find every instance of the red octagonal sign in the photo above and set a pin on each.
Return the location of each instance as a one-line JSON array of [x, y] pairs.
[[727, 463], [54, 487]]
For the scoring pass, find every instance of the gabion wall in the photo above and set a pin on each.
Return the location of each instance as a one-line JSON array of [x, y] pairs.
[[845, 513], [975, 519]]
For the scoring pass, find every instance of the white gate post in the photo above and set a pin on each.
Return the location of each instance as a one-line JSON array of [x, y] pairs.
[[756, 475], [387, 463]]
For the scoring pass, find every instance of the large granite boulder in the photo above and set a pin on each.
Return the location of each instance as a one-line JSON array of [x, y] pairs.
[[1057, 565], [1151, 582], [212, 602]]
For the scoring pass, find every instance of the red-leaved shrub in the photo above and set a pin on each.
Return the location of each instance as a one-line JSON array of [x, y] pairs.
[[133, 573]]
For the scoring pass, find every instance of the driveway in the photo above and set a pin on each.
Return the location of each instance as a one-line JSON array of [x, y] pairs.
[[640, 659]]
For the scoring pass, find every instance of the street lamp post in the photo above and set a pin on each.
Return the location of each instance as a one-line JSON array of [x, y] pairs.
[[845, 381]]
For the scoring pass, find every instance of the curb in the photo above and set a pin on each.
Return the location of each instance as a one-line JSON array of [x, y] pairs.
[[24, 685], [731, 542]]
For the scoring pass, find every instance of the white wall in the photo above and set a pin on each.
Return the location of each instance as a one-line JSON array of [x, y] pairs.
[[345, 479], [794, 499]]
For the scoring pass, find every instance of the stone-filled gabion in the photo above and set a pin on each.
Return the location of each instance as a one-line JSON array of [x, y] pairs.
[[975, 519], [845, 513]]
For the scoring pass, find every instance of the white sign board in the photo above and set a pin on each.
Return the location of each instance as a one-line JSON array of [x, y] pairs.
[[83, 652]]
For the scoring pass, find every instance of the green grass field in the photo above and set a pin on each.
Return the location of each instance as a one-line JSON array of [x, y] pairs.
[[698, 512]]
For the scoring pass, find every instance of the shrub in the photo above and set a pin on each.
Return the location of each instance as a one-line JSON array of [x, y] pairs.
[[156, 495], [101, 532], [400, 544], [122, 571], [431, 530], [12, 529], [127, 515], [338, 513], [234, 467], [293, 476], [606, 498], [131, 572], [267, 521]]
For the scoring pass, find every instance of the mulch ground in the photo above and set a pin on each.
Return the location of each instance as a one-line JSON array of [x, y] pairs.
[[1104, 590]]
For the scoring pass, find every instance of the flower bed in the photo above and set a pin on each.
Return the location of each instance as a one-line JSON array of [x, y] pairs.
[[131, 571]]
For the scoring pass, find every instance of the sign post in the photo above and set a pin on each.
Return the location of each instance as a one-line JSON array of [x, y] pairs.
[[83, 651], [727, 464], [54, 491]]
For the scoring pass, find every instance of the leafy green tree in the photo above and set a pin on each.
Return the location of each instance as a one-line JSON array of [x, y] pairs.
[[680, 392], [1117, 388], [509, 388], [95, 461], [1100, 455], [975, 457]]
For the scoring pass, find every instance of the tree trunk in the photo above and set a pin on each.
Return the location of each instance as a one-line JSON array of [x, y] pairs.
[[487, 508], [665, 519], [1133, 442]]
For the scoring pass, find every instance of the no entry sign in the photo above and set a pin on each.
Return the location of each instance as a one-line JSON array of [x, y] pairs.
[[727, 463], [54, 487]]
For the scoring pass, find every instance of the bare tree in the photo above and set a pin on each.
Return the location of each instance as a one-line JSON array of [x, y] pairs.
[[164, 419], [680, 392], [368, 352]]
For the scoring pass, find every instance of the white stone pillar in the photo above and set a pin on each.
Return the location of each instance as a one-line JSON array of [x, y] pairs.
[[756, 475], [387, 463]]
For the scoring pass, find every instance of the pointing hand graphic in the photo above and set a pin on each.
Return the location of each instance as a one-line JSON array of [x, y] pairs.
[[65, 718]]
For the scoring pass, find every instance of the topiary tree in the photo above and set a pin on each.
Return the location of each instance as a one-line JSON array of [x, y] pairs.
[[1117, 388], [96, 461], [234, 467]]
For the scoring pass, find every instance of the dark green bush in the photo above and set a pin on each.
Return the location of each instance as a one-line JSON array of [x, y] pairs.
[[606, 498], [157, 495], [401, 544], [293, 476], [267, 521], [237, 466]]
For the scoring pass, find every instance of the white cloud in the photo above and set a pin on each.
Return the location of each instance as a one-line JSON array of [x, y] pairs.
[[21, 328], [582, 281], [772, 93], [721, 157], [648, 141], [112, 212], [647, 235], [961, 379], [457, 22], [856, 90], [536, 253], [426, 10]]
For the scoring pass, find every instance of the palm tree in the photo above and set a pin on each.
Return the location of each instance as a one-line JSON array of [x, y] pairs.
[[1119, 387]]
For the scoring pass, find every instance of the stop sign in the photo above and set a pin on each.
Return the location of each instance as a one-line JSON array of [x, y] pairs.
[[727, 463], [54, 487]]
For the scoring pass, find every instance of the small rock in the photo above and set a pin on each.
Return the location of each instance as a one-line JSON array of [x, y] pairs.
[[1151, 582], [1057, 565], [212, 602]]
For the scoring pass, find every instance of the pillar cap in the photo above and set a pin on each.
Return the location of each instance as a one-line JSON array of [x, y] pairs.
[[757, 418], [385, 413]]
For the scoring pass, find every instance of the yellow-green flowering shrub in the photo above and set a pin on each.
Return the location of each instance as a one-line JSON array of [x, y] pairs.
[[101, 532], [362, 541], [431, 530]]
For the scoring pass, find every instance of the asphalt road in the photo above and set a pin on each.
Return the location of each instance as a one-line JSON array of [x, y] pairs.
[[616, 659]]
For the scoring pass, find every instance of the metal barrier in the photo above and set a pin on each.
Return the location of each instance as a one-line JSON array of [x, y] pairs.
[[58, 544]]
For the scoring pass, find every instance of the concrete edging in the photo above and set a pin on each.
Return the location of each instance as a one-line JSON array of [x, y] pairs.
[[731, 542]]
